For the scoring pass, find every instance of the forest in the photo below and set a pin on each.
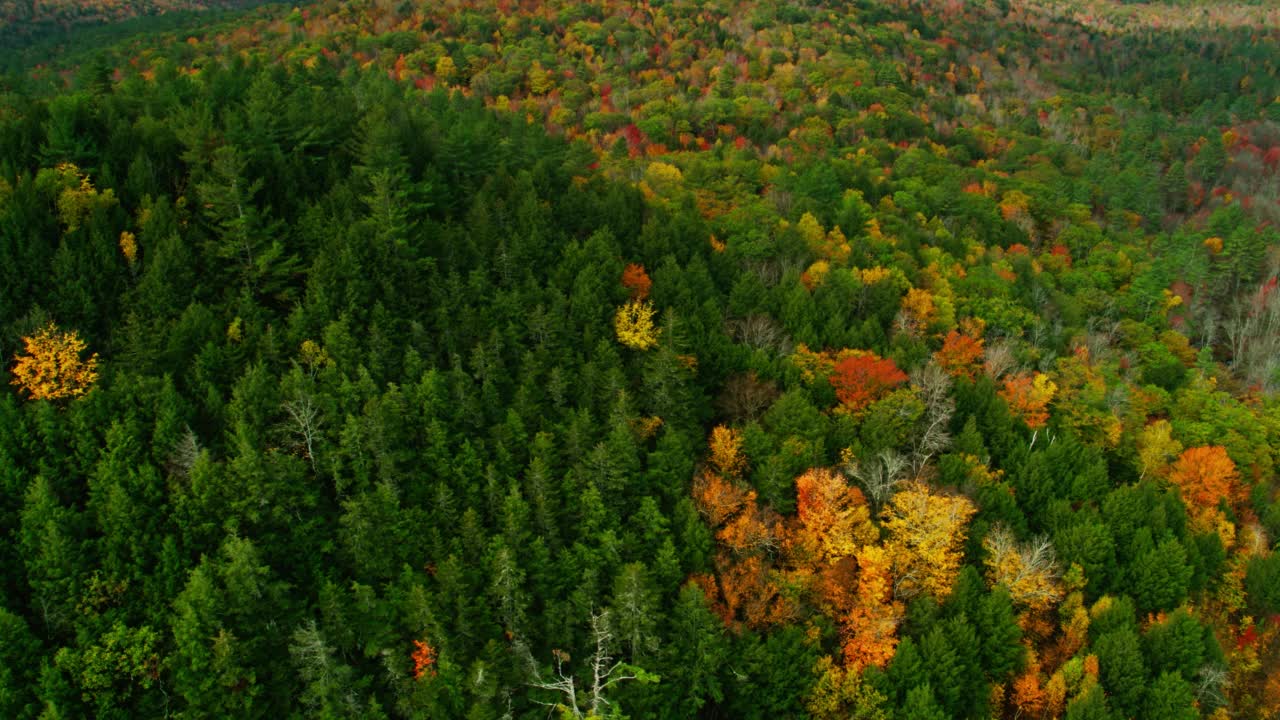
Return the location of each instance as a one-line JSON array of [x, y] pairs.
[[488, 359]]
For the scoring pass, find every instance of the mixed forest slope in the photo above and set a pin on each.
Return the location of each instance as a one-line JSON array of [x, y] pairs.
[[25, 21], [668, 359]]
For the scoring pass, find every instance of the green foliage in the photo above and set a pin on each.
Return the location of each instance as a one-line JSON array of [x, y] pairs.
[[352, 272]]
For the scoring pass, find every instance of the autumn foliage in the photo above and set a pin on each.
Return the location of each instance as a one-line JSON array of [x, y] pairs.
[[960, 355], [424, 660], [869, 628], [52, 367], [634, 325], [926, 532], [860, 380], [834, 517], [726, 452], [829, 556], [1204, 476], [1028, 398], [635, 279]]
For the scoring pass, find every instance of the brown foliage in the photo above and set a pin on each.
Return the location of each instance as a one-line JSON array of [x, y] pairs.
[[745, 396]]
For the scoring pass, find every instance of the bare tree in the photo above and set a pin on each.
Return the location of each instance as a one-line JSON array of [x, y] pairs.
[[880, 474], [304, 425], [760, 332], [1029, 570], [1212, 682], [934, 386], [605, 673], [745, 396], [999, 358], [1253, 334]]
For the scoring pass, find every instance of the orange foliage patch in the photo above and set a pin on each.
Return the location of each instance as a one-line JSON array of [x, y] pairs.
[[635, 279], [1204, 475], [960, 356], [1028, 398], [424, 660]]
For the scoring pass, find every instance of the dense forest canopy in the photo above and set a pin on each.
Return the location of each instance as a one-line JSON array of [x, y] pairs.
[[25, 21], [887, 359]]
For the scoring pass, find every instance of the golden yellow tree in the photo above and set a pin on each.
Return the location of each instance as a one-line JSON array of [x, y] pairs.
[[129, 247], [52, 368], [726, 452], [1029, 571], [926, 532], [634, 325]]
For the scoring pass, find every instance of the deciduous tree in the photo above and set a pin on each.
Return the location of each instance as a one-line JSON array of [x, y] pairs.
[[863, 378], [834, 518], [52, 367], [1029, 571], [926, 532], [635, 279], [1204, 476], [1028, 398], [634, 325], [870, 627], [960, 355]]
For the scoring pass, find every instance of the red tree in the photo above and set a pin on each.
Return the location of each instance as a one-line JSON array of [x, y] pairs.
[[860, 380], [424, 659]]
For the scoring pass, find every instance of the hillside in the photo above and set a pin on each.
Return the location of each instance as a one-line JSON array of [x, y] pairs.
[[24, 21], [496, 359]]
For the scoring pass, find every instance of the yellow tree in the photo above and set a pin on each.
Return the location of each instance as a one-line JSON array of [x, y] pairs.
[[634, 325], [1155, 446], [76, 197], [1029, 571], [925, 533], [51, 368], [726, 452]]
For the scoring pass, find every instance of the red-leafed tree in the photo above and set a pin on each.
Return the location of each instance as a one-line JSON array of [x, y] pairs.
[[424, 660], [860, 380]]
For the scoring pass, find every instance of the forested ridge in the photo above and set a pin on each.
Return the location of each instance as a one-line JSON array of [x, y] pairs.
[[490, 359], [23, 22]]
